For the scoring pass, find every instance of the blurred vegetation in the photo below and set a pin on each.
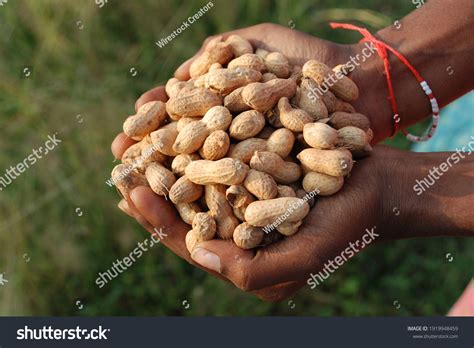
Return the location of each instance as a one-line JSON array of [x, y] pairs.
[[79, 58]]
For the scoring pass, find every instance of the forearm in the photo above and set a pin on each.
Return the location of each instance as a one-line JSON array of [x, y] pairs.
[[433, 193], [437, 40]]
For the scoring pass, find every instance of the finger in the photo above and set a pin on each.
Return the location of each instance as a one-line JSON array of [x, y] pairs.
[[138, 216], [123, 206], [182, 73], [288, 260], [161, 215], [128, 208], [157, 93], [121, 143], [154, 213]]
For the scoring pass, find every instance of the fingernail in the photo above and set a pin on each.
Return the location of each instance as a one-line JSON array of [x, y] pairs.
[[123, 206], [206, 259]]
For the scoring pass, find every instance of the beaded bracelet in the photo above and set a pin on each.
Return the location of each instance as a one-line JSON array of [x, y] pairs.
[[382, 48]]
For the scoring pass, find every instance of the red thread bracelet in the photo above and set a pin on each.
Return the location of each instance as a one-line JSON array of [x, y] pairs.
[[382, 48]]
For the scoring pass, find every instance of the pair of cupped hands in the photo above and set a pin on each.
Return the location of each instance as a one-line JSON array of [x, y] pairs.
[[277, 271]]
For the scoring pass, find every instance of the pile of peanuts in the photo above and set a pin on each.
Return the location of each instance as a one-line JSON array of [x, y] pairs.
[[243, 146]]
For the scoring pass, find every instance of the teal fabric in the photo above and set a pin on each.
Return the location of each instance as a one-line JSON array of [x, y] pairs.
[[455, 129]]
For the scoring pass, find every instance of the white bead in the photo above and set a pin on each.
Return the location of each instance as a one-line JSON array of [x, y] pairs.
[[435, 118]]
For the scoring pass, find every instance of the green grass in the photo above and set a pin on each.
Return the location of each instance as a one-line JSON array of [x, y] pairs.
[[87, 72]]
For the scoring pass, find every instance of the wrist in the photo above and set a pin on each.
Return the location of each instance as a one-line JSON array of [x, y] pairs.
[[427, 194]]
